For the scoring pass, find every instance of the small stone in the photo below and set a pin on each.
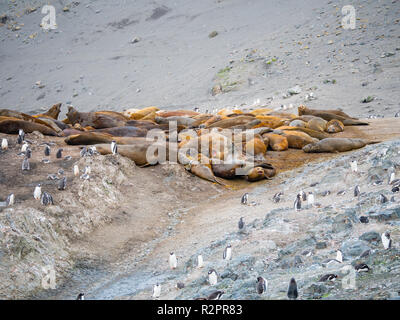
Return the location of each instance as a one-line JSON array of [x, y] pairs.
[[213, 34], [321, 245]]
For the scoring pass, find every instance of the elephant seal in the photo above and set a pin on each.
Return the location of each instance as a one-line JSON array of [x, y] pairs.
[[22, 116], [336, 112], [331, 145], [334, 126], [93, 119], [13, 125], [52, 113], [297, 139], [311, 133], [255, 146], [255, 174], [226, 170], [317, 124], [270, 121], [277, 142], [137, 114], [230, 122], [179, 113], [114, 114], [261, 111], [124, 131], [88, 138], [328, 116], [180, 120], [203, 172], [298, 124]]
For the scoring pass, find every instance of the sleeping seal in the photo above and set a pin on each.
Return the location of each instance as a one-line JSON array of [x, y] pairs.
[[336, 145]]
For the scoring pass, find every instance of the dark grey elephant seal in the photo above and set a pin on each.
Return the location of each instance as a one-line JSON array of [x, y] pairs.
[[331, 145]]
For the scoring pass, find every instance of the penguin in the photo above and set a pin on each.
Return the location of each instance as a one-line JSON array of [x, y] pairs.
[[377, 183], [37, 192], [341, 193], [362, 267], [303, 196], [4, 144], [25, 146], [262, 285], [241, 224], [310, 198], [25, 165], [245, 198], [28, 153], [392, 199], [339, 256], [277, 197], [196, 109], [21, 136], [83, 152], [386, 241], [60, 172], [62, 184], [157, 290], [357, 191], [227, 255], [395, 189], [216, 295], [364, 219], [67, 158], [180, 285], [397, 114], [59, 153], [85, 176], [328, 277], [47, 150], [382, 198], [80, 296], [292, 290], [173, 261], [88, 170], [353, 165], [297, 203], [200, 263], [326, 193], [212, 277], [114, 148], [76, 170], [10, 199], [46, 161], [46, 199]]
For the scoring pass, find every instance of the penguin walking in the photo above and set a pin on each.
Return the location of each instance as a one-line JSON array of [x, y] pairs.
[[10, 200], [341, 193], [173, 261], [46, 199], [26, 165], [297, 203], [24, 147], [328, 277], [310, 199], [353, 165], [292, 290], [216, 295], [28, 153], [362, 267], [227, 255], [76, 170], [277, 197], [37, 192], [262, 285], [392, 177], [59, 153], [386, 241], [21, 136], [62, 184], [212, 277], [383, 198], [4, 144], [47, 150], [357, 191], [156, 290], [303, 196], [364, 219], [245, 199], [200, 262], [114, 148], [80, 296], [241, 224]]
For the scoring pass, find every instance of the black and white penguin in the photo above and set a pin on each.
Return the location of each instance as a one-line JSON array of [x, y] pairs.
[[310, 198], [392, 177], [200, 262], [262, 285], [173, 261], [21, 136], [353, 165], [85, 176], [80, 296], [297, 203], [277, 197], [227, 255], [357, 191], [328, 277], [339, 256], [4, 144], [341, 193], [212, 277], [383, 198], [241, 224], [47, 150], [386, 241], [83, 152], [216, 295], [245, 198], [62, 184], [396, 189], [362, 267], [303, 196], [24, 147], [59, 153], [364, 219], [28, 153], [114, 148], [326, 193], [10, 200], [67, 158], [46, 199], [76, 170], [292, 290], [157, 290], [377, 183], [180, 285], [37, 192], [25, 165]]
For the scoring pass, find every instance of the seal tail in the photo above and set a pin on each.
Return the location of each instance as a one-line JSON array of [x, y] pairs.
[[351, 122]]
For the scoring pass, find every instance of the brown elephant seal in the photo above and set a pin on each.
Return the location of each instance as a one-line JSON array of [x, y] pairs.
[[334, 126], [124, 131], [231, 122], [329, 115], [297, 139], [270, 121], [180, 120], [336, 112], [13, 125], [331, 145], [255, 147], [179, 113], [298, 123], [114, 114], [277, 142], [203, 171], [317, 124], [93, 119], [247, 126], [22, 116], [52, 113], [255, 174], [311, 133], [88, 138]]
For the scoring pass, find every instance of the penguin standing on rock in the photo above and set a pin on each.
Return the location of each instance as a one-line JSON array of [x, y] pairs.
[[339, 256], [59, 153], [303, 196], [114, 148], [353, 166], [386, 241], [383, 198], [277, 197], [173, 261], [212, 277], [157, 290], [241, 224], [245, 198], [76, 170], [262, 285], [4, 144], [21, 136], [10, 200], [297, 203], [292, 290], [357, 191], [47, 150], [62, 184], [80, 296], [200, 263], [37, 192], [25, 165], [46, 199], [227, 255], [216, 295]]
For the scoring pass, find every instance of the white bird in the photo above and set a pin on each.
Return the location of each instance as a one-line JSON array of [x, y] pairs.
[[76, 170], [200, 263], [353, 165], [4, 144], [37, 192], [173, 262], [227, 253], [386, 241], [212, 277], [310, 198], [157, 290]]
